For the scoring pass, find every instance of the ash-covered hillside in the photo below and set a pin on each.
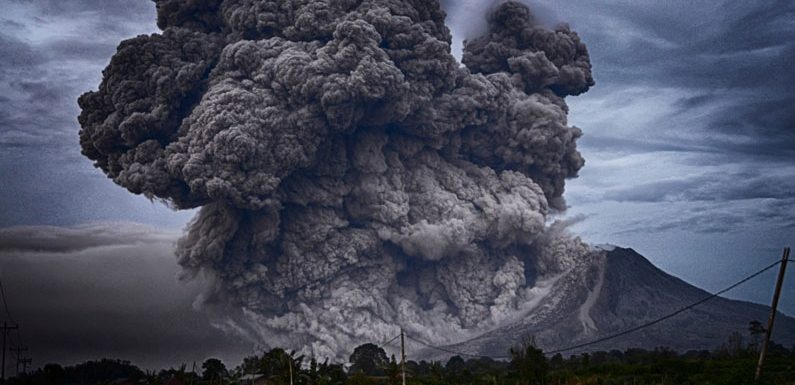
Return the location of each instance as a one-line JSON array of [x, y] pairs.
[[619, 289]]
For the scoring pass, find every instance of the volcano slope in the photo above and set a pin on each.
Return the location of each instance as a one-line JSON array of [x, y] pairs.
[[618, 289]]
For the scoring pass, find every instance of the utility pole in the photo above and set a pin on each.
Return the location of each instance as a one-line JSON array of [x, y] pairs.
[[290, 365], [403, 355], [18, 350], [773, 306], [25, 362], [6, 329]]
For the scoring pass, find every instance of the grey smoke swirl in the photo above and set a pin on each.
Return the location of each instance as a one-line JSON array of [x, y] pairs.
[[353, 178]]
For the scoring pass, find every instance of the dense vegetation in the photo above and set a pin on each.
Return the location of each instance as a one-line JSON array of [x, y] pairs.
[[369, 365]]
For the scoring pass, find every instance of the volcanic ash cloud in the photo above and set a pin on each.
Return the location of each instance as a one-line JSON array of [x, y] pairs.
[[353, 178]]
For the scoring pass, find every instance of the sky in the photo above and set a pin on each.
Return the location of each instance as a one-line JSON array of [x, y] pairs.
[[688, 141]]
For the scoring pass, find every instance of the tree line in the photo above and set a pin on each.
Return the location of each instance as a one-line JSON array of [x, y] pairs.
[[369, 364]]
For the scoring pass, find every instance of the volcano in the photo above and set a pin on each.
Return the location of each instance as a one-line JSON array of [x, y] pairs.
[[617, 289]]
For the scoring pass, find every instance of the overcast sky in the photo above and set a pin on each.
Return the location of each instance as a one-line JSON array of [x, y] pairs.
[[689, 137]]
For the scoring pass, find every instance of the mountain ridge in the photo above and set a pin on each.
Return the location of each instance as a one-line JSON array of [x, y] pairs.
[[617, 289]]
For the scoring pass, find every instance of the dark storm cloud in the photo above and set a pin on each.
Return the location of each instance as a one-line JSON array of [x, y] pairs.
[[108, 9], [50, 52], [741, 123], [709, 187], [39, 78], [719, 218], [767, 118], [713, 222], [738, 61], [702, 89], [16, 54], [44, 62], [107, 290], [779, 212], [78, 50], [12, 24], [619, 144]]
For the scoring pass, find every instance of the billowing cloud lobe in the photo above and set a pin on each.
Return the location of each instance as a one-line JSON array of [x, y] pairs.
[[353, 178]]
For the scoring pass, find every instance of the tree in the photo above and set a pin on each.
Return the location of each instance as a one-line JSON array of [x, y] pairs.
[[53, 373], [214, 370], [557, 361], [757, 330], [180, 375], [529, 363], [104, 370], [457, 370], [734, 344], [280, 366], [250, 365], [368, 359], [330, 374], [393, 371], [436, 372]]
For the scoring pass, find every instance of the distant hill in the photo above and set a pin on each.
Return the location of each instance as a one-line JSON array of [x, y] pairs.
[[618, 289]]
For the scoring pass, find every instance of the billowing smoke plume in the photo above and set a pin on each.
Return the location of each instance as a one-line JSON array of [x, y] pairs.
[[353, 178]]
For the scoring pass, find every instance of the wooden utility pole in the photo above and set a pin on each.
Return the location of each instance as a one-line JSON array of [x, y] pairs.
[[772, 318], [25, 362], [6, 329], [403, 356], [18, 350], [290, 365]]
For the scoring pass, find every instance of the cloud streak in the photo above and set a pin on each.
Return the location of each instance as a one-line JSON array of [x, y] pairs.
[[55, 239]]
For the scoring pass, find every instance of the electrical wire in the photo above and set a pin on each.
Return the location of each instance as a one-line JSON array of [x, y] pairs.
[[452, 351], [9, 317], [390, 341]]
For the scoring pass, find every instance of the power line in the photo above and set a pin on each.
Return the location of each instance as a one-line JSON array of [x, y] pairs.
[[18, 343], [18, 350], [24, 363], [665, 317], [9, 317], [451, 351], [5, 328], [390, 341]]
